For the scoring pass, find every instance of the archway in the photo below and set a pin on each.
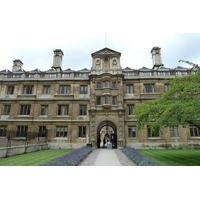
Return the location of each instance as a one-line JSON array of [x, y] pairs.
[[106, 135]]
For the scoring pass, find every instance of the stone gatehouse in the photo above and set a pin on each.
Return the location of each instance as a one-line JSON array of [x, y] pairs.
[[71, 109]]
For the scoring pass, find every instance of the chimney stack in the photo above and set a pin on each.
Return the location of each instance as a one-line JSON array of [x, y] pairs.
[[17, 65], [57, 60], [156, 57]]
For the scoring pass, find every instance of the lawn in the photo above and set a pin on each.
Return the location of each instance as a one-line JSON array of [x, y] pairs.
[[177, 157], [34, 158]]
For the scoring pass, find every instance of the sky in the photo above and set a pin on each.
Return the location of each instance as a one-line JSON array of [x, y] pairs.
[[31, 30]]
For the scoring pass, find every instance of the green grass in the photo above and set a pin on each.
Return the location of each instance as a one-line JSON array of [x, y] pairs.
[[34, 158], [177, 157]]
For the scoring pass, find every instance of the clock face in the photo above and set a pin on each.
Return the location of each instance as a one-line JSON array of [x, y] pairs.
[[98, 62], [114, 62]]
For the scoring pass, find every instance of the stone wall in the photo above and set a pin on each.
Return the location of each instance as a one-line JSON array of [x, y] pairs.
[[12, 151]]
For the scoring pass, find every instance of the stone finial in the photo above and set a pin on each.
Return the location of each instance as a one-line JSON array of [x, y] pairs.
[[57, 60], [156, 57], [17, 65]]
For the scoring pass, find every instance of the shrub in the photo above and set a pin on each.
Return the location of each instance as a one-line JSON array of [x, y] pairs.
[[71, 159], [137, 157]]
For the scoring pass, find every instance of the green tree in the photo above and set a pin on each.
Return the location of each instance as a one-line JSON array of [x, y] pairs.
[[180, 105]]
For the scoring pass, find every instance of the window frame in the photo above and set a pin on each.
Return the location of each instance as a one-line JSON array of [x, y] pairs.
[[42, 131], [82, 109], [10, 89], [63, 109], [44, 110], [64, 89], [174, 131], [82, 132], [3, 131], [46, 89], [129, 89], [25, 109], [150, 134], [131, 133], [131, 108], [61, 131], [22, 131], [6, 109], [83, 89], [149, 88], [28, 89]]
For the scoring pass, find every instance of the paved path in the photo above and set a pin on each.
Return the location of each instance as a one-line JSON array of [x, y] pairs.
[[107, 157]]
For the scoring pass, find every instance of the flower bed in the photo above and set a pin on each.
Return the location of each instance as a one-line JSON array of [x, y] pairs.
[[137, 157], [71, 159]]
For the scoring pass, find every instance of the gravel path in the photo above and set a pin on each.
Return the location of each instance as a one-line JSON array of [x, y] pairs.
[[91, 158]]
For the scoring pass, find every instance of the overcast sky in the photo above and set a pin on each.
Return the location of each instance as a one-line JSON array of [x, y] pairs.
[[31, 30]]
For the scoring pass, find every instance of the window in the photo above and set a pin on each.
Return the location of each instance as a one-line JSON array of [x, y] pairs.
[[61, 131], [10, 89], [83, 110], [167, 86], [106, 84], [63, 109], [194, 131], [148, 88], [83, 89], [114, 100], [106, 100], [44, 110], [146, 73], [3, 131], [28, 89], [98, 85], [151, 133], [114, 85], [64, 89], [163, 73], [82, 131], [42, 131], [130, 109], [22, 131], [46, 89], [6, 110], [98, 100], [129, 89], [25, 110], [174, 131], [131, 131]]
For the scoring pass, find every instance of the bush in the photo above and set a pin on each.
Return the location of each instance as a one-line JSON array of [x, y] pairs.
[[71, 159], [137, 157]]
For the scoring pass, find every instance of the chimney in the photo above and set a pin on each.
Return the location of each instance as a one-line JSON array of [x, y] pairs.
[[17, 65], [57, 60], [156, 57]]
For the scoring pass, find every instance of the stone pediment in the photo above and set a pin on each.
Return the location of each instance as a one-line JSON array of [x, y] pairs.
[[106, 51]]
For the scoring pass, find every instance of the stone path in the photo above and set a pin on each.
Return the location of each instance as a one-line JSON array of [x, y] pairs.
[[107, 157]]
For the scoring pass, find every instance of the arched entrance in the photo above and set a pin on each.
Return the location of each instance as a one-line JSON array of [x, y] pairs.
[[106, 135]]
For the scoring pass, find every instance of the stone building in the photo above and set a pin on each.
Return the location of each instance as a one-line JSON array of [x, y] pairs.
[[70, 109]]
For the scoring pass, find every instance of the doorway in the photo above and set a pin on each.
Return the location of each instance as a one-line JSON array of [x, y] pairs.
[[106, 135]]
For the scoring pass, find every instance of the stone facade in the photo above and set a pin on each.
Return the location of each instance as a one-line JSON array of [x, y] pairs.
[[71, 109]]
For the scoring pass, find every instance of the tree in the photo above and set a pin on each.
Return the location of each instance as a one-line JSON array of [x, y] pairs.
[[180, 105]]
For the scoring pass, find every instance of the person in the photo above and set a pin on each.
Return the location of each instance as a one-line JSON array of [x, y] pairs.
[[104, 142], [98, 142]]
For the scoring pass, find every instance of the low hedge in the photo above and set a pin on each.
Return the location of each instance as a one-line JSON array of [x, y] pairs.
[[71, 159], [137, 157]]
